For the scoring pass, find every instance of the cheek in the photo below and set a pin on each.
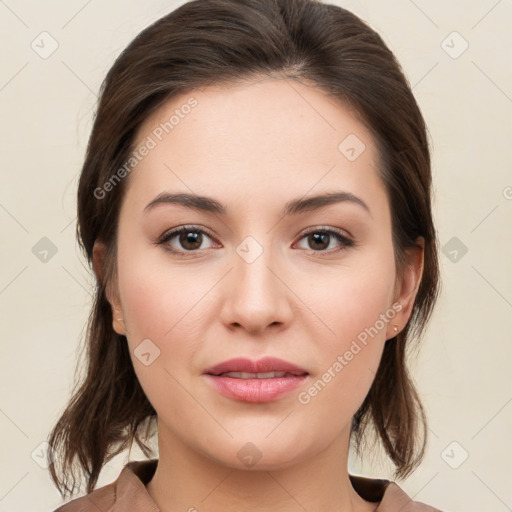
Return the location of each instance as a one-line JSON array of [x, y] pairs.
[[353, 298], [161, 329], [357, 310], [152, 306], [159, 297]]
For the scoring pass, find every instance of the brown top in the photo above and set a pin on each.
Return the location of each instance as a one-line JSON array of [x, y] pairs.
[[128, 493]]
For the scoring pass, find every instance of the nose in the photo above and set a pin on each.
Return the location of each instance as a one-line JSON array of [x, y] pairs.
[[255, 294]]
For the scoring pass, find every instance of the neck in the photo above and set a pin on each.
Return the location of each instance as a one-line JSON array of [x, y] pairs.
[[188, 481]]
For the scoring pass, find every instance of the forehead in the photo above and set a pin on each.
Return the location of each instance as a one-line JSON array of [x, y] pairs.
[[266, 135]]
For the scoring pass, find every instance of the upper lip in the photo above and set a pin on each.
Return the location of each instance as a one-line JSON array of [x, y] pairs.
[[266, 364]]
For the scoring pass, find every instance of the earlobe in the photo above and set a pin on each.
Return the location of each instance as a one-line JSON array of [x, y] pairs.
[[98, 260], [117, 312], [408, 283]]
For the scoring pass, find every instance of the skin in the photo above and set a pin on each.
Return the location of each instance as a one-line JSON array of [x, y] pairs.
[[253, 147]]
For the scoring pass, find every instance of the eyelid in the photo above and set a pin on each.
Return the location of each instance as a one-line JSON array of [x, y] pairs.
[[328, 229], [184, 227]]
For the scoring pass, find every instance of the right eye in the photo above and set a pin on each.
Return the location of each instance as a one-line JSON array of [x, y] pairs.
[[188, 239]]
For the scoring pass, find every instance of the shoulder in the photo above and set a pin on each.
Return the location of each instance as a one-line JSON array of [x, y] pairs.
[[128, 492], [100, 499], [395, 497], [389, 495]]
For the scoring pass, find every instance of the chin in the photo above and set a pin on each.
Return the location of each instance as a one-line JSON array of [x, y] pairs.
[[259, 454]]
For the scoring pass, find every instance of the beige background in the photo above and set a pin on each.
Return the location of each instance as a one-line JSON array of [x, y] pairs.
[[463, 370]]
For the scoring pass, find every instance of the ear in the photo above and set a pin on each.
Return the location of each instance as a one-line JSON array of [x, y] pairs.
[[407, 285], [111, 291]]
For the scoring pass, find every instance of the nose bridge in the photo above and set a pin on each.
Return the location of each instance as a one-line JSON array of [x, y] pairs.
[[256, 297], [253, 261], [252, 266]]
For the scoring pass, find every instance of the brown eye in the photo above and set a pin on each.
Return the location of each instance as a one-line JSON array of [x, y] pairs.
[[319, 240], [190, 240], [184, 239]]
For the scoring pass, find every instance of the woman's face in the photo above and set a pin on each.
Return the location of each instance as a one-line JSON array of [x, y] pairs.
[[260, 271]]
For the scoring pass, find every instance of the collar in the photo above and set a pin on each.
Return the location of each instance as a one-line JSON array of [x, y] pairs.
[[131, 493]]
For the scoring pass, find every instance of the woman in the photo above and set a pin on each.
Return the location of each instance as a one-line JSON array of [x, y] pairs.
[[255, 204]]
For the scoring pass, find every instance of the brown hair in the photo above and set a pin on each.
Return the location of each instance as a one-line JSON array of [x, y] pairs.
[[207, 42]]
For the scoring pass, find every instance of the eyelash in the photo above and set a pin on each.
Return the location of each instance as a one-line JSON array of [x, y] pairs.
[[340, 237]]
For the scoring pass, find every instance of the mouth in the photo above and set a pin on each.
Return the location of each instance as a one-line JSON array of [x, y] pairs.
[[255, 381], [260, 375], [243, 365]]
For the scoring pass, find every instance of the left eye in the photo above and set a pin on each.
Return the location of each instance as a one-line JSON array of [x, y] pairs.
[[320, 239]]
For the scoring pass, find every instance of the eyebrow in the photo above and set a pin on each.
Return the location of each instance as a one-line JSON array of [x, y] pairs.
[[295, 206]]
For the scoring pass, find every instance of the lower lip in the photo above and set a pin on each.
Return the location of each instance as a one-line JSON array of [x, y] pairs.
[[255, 390]]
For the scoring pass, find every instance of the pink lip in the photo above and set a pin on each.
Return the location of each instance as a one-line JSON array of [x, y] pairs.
[[255, 390]]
